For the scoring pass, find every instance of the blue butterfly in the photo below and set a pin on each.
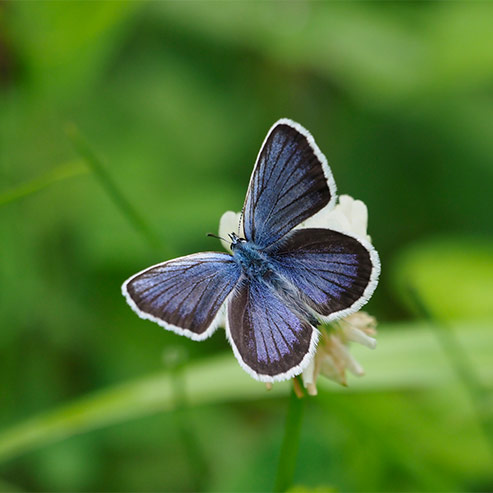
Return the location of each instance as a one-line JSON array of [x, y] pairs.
[[279, 282]]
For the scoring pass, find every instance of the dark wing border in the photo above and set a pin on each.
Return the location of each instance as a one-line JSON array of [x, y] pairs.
[[216, 322]]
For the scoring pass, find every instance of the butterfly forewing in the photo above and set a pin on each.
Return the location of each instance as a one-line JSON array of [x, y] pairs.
[[270, 341], [291, 181], [334, 273], [184, 294]]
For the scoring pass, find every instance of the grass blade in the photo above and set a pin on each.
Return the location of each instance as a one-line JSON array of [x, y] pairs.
[[60, 173], [290, 443], [412, 352], [83, 148]]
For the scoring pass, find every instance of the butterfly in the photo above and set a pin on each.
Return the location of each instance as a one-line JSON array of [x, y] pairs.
[[280, 281]]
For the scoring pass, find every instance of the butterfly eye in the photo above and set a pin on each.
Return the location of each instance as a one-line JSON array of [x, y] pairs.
[[235, 239]]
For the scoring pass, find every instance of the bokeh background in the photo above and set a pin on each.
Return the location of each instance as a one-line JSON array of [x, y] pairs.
[[174, 99]]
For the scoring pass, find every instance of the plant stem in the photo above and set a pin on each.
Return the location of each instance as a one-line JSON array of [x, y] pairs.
[[57, 174], [128, 210], [290, 443], [479, 396], [199, 469]]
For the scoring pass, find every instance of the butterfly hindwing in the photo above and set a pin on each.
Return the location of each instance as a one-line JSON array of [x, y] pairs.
[[291, 181], [185, 294], [334, 272], [270, 341]]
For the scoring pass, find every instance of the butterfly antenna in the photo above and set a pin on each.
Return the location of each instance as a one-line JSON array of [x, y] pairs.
[[212, 235], [240, 222]]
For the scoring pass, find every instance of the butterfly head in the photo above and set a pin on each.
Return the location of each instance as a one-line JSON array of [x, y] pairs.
[[235, 240]]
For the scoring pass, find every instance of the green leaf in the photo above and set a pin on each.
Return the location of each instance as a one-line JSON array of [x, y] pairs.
[[407, 357], [66, 44], [59, 173], [310, 489], [453, 277]]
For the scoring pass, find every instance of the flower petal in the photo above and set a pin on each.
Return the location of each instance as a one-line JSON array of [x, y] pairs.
[[228, 224], [330, 368], [356, 335], [308, 374], [362, 321], [344, 358]]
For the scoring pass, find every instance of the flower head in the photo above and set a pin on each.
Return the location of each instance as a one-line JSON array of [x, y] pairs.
[[333, 356]]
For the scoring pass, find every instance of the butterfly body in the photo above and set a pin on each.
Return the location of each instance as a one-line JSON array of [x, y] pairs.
[[252, 261], [280, 280]]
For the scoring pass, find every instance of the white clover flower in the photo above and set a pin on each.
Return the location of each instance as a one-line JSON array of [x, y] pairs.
[[333, 356]]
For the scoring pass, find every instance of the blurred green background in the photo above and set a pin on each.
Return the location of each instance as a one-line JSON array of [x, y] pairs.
[[176, 98]]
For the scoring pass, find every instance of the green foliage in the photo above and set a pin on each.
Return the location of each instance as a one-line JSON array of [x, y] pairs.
[[316, 489], [173, 99], [410, 352], [57, 174], [454, 277]]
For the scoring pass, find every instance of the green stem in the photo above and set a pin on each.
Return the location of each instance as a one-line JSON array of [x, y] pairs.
[[290, 443], [199, 470], [479, 396], [57, 174], [128, 210]]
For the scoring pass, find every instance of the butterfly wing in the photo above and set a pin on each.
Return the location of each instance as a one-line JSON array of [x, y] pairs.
[[185, 295], [291, 181], [270, 341], [335, 273]]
